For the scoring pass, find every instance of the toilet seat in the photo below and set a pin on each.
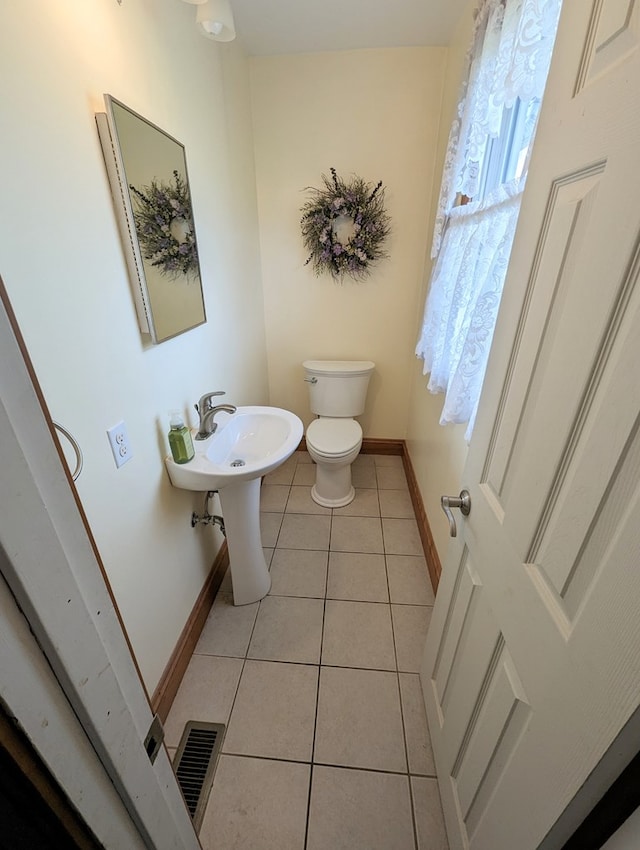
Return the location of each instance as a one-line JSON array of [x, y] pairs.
[[334, 437]]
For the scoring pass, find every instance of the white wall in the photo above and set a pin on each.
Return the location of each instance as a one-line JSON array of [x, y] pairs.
[[63, 267], [438, 453], [374, 113]]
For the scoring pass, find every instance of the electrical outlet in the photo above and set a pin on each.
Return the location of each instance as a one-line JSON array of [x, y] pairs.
[[120, 445]]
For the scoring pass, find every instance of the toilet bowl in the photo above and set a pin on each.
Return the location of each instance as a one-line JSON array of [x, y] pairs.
[[333, 445], [337, 391]]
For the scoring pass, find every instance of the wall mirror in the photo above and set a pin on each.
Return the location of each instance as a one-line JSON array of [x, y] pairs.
[[147, 171]]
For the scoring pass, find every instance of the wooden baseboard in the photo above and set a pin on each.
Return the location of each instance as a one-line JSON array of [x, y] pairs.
[[169, 683], [377, 446], [430, 552]]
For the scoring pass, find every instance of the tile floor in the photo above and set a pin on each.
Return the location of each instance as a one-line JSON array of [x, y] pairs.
[[326, 744]]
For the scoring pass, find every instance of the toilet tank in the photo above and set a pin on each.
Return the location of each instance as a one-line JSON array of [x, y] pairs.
[[340, 386]]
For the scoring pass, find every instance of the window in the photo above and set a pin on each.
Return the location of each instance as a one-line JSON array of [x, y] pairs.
[[483, 181], [505, 156]]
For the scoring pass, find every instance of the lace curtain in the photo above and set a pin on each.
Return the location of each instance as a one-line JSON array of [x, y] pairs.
[[509, 59]]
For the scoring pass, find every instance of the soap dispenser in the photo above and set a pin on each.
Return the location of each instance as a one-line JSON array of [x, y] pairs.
[[180, 440]]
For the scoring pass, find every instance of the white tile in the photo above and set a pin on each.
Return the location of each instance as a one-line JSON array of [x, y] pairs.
[[365, 503], [256, 803], [363, 462], [409, 580], [226, 585], [274, 711], [396, 503], [300, 502], [300, 531], [283, 474], [299, 572], [270, 528], [419, 750], [394, 461], [206, 693], [432, 834], [359, 810], [288, 629], [363, 476], [410, 625], [358, 634], [305, 475], [357, 577], [366, 712], [228, 628], [356, 534], [401, 537], [273, 497], [359, 720], [391, 478]]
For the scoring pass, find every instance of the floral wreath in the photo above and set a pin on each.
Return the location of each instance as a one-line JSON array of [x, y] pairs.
[[164, 223], [344, 226]]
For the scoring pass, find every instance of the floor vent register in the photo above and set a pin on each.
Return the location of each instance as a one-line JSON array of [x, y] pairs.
[[195, 764]]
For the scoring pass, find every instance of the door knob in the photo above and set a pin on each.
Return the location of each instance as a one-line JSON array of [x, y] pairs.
[[463, 501]]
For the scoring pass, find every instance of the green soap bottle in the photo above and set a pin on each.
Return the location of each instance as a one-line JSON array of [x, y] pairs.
[[180, 440]]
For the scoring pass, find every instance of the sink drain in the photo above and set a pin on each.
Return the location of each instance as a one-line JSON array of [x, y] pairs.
[[237, 462]]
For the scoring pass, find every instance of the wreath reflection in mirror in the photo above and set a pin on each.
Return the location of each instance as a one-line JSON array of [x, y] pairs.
[[164, 223], [344, 226]]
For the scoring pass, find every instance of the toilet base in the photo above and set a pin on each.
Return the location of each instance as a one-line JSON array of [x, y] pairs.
[[332, 503], [333, 488]]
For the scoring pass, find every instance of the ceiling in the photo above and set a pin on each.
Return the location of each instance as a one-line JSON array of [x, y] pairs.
[[270, 27]]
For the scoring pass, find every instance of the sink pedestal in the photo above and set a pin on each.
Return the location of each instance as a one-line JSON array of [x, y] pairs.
[[241, 512], [247, 445]]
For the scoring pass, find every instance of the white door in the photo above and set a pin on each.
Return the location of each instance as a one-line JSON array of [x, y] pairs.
[[84, 708], [532, 662]]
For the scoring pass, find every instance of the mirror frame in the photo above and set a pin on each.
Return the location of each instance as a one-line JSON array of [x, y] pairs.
[[115, 161]]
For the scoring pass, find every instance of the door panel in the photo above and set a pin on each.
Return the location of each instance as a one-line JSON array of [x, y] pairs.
[[499, 719], [559, 242], [531, 665], [51, 569], [614, 32]]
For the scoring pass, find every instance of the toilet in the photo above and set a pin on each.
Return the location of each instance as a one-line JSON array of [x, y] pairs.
[[337, 392]]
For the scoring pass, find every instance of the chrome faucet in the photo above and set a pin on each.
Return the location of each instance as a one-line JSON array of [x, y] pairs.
[[206, 411]]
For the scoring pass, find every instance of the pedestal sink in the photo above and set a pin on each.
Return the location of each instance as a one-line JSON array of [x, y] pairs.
[[246, 445]]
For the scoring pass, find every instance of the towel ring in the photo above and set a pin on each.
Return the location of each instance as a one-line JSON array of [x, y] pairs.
[[76, 448]]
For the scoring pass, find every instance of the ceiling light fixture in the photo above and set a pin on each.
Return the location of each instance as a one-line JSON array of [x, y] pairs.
[[215, 19]]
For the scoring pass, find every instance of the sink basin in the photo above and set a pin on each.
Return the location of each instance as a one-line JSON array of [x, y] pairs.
[[247, 444]]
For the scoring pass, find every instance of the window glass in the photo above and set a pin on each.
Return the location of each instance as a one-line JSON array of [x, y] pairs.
[[505, 157]]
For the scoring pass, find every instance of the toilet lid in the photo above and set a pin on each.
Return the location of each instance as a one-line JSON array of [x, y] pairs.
[[334, 436]]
